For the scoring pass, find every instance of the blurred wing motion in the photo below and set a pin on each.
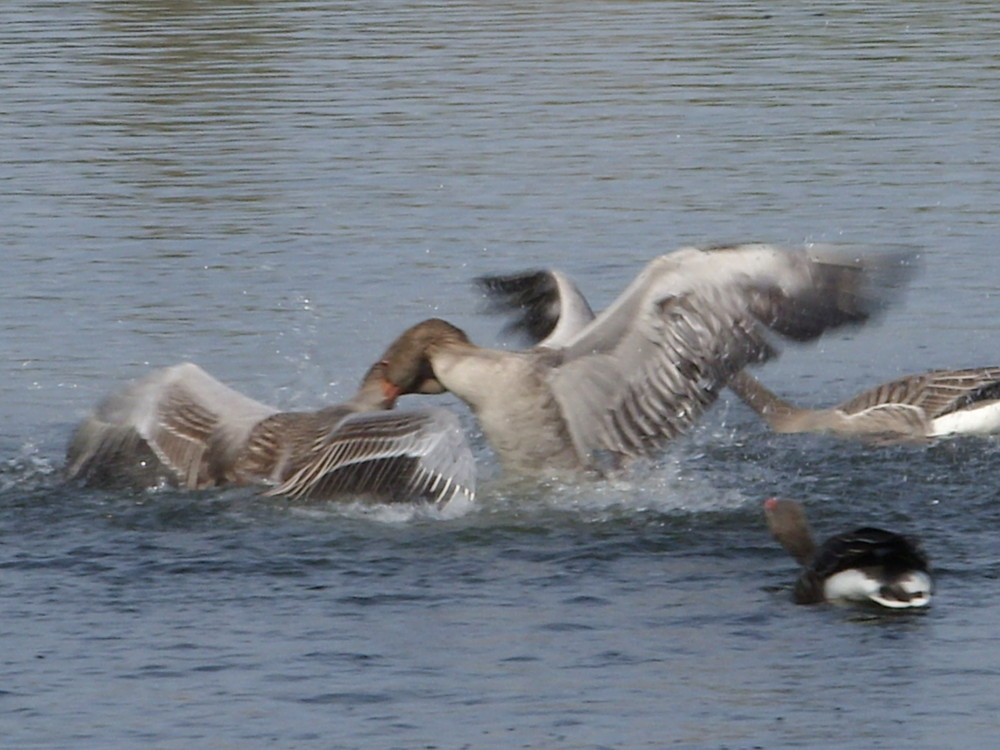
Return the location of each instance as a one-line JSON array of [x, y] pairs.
[[545, 306], [646, 368]]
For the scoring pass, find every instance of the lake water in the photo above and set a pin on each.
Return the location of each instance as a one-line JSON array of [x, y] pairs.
[[274, 190]]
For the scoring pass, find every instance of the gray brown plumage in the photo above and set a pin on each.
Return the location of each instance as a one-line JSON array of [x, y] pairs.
[[914, 408], [645, 369], [181, 426], [547, 307]]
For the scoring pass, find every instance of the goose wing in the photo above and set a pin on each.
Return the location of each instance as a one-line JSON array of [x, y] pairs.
[[647, 367], [935, 393], [179, 423], [547, 307], [390, 456]]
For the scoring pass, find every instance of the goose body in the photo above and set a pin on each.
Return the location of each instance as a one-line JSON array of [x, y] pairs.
[[864, 565], [181, 426], [982, 418], [605, 389], [911, 409]]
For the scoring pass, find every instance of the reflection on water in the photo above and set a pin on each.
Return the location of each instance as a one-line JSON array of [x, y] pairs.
[[275, 189]]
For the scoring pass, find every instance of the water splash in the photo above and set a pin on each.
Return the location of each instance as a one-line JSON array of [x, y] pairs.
[[28, 470]]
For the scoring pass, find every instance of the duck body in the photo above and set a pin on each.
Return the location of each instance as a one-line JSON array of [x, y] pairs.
[[603, 390], [867, 564], [182, 427]]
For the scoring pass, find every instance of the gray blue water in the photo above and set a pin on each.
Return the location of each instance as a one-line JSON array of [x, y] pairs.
[[274, 190]]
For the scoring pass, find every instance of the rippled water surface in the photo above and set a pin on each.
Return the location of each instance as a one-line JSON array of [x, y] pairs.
[[274, 190]]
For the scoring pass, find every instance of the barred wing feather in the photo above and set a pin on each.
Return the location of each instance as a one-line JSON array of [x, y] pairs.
[[647, 367], [180, 415], [936, 393], [390, 456]]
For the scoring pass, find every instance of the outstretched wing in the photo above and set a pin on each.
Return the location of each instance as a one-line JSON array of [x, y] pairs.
[[546, 306], [178, 423], [647, 367], [389, 456]]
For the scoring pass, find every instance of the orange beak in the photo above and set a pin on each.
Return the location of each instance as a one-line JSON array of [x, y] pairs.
[[391, 393]]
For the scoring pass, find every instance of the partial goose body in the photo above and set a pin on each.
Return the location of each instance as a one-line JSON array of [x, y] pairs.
[[911, 409], [181, 426], [596, 394], [864, 565]]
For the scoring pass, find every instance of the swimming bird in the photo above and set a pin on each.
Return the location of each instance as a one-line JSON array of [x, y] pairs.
[[181, 426], [910, 409], [867, 564], [642, 372]]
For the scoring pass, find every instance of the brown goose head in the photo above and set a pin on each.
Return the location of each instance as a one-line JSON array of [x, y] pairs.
[[407, 361], [375, 392]]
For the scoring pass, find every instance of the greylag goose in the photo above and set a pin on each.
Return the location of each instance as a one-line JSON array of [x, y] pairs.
[[645, 369], [911, 409], [864, 565], [914, 408], [181, 426]]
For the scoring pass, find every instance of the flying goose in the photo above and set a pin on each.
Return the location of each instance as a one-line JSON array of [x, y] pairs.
[[911, 409], [866, 564], [645, 369], [181, 426]]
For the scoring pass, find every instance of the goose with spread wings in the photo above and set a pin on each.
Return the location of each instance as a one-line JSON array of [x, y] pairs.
[[917, 408], [618, 386], [182, 427]]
